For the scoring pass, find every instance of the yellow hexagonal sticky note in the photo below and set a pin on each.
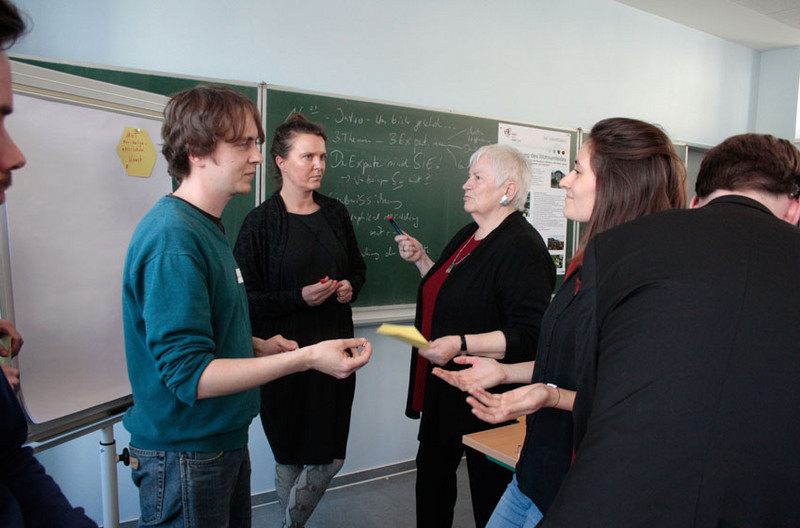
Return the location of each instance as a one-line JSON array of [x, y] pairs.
[[136, 152]]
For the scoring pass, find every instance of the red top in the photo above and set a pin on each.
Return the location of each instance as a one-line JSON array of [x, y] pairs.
[[573, 266], [430, 291]]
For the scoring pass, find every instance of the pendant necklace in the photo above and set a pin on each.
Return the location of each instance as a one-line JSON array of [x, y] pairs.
[[456, 260]]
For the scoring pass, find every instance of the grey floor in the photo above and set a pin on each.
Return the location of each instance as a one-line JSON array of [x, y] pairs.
[[383, 502]]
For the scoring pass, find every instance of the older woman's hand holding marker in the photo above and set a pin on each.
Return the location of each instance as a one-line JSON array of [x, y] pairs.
[[394, 225], [410, 249]]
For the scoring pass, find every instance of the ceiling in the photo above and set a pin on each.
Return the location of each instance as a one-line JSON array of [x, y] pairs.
[[759, 24]]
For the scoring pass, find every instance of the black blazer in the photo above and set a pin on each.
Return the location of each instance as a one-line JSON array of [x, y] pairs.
[[688, 406], [546, 453]]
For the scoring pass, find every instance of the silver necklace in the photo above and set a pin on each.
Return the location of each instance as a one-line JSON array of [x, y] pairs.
[[456, 261]]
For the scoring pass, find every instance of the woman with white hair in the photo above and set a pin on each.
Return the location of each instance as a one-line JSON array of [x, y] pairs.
[[484, 296]]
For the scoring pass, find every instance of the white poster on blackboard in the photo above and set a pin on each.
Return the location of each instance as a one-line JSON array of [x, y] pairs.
[[548, 153]]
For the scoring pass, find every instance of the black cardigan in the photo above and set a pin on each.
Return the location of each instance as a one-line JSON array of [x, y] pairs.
[[505, 284], [259, 251]]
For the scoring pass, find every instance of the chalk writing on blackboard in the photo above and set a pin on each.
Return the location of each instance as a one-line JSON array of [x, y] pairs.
[[386, 159]]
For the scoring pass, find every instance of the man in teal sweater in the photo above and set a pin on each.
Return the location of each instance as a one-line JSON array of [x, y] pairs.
[[188, 341]]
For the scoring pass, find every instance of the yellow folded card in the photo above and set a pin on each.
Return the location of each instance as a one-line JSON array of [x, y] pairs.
[[406, 333]]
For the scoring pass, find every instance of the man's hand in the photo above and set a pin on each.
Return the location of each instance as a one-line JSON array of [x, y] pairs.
[[12, 375], [274, 345], [7, 329], [340, 357]]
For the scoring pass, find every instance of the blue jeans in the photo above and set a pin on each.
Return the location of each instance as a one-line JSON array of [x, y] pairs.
[[193, 489], [514, 509]]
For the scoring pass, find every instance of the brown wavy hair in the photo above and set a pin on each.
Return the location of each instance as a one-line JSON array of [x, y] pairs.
[[12, 26], [638, 173], [195, 119], [757, 162]]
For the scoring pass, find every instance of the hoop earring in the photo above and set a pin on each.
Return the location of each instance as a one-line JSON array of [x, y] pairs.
[[504, 200]]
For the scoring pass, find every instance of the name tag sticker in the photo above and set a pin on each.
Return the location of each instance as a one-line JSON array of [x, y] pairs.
[[239, 277]]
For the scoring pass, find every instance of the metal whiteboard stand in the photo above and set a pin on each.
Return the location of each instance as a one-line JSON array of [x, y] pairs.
[[108, 475], [108, 459]]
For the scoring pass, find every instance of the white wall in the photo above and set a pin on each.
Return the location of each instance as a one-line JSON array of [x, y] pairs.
[[558, 63], [779, 82]]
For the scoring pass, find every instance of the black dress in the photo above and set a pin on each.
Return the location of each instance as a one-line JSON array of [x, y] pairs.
[[306, 416]]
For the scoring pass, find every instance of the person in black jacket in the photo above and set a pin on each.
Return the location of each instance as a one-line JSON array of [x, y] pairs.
[[29, 497], [302, 268], [484, 296], [686, 412]]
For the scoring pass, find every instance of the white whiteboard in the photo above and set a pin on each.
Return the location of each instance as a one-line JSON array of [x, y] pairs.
[[71, 213]]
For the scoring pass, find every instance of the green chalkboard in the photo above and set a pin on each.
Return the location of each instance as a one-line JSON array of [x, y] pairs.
[[239, 206], [386, 159]]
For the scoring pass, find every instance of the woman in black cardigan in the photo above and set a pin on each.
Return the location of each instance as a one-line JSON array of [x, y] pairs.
[[302, 268], [485, 296]]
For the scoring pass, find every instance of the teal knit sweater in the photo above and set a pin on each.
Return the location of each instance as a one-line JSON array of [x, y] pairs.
[[183, 305]]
